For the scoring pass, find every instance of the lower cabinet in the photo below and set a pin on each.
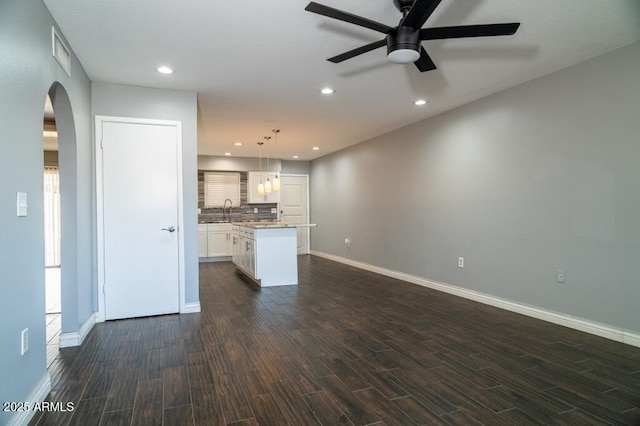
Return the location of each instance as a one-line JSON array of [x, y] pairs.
[[244, 252], [215, 240], [236, 244], [202, 241], [267, 255]]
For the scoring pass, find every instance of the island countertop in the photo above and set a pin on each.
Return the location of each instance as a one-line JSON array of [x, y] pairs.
[[260, 225]]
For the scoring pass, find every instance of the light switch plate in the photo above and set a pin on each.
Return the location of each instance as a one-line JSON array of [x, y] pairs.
[[22, 204]]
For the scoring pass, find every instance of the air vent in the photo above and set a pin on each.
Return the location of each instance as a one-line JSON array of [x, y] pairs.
[[61, 51]]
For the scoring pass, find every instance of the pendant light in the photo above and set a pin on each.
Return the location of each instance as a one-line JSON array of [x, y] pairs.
[[260, 189], [276, 180], [267, 184]]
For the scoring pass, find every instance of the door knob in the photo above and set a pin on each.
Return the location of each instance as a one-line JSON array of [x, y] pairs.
[[170, 229]]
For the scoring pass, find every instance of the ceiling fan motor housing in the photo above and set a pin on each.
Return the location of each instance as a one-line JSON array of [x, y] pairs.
[[403, 5], [403, 45]]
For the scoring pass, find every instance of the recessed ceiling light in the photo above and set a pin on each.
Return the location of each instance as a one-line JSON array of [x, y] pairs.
[[296, 157], [420, 102], [227, 153], [315, 148], [165, 70], [327, 91], [238, 143]]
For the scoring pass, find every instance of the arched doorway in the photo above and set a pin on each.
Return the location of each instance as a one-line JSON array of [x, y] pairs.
[[52, 232], [58, 119]]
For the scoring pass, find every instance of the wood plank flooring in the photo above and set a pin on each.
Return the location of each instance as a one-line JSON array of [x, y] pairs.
[[345, 346]]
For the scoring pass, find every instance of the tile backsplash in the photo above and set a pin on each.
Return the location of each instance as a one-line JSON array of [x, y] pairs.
[[244, 212]]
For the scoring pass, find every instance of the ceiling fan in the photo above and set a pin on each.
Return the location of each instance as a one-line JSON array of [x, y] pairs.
[[403, 41]]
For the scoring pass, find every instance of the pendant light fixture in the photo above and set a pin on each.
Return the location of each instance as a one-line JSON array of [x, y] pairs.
[[276, 180], [260, 188], [267, 184]]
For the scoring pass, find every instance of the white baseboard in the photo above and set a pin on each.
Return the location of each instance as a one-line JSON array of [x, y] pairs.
[[76, 338], [191, 308], [38, 394], [602, 330]]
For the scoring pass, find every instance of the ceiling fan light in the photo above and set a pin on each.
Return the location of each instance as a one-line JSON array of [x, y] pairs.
[[403, 56]]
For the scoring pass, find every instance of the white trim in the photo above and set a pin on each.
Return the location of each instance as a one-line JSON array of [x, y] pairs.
[[99, 120], [76, 338], [37, 394], [602, 330], [191, 308], [308, 208]]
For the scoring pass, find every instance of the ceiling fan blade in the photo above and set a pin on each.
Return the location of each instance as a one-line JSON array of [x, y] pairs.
[[419, 13], [359, 51], [346, 17], [469, 31], [425, 63]]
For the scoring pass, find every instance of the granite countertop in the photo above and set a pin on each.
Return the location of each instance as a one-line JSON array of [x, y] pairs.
[[260, 225], [239, 222], [204, 222]]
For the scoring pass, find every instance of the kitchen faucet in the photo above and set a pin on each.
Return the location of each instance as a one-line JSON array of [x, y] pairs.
[[224, 206]]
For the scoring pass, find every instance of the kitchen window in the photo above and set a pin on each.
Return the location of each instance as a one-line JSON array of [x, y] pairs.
[[218, 186]]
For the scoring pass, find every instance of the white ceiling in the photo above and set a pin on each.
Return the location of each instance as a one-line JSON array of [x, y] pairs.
[[260, 64]]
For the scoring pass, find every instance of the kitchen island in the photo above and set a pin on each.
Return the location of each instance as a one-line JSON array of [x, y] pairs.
[[266, 252]]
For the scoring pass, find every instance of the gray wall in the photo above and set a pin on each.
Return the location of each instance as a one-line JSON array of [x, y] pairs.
[[296, 167], [28, 71], [140, 102], [235, 164], [540, 177]]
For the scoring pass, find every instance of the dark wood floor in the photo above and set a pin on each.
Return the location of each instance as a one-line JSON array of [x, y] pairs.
[[343, 347]]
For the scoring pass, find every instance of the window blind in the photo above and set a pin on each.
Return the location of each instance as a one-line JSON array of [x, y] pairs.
[[219, 186], [52, 216]]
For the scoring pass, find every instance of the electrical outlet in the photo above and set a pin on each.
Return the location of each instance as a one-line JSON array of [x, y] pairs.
[[274, 210], [255, 210], [25, 341], [347, 242], [560, 276], [461, 262]]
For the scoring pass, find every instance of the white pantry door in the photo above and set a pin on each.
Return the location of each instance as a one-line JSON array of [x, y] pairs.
[[140, 219], [293, 207]]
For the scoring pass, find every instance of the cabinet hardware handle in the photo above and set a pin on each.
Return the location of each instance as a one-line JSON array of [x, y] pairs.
[[169, 229]]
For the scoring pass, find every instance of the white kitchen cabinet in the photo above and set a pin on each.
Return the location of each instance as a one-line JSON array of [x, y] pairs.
[[244, 253], [237, 246], [219, 241], [252, 186], [249, 255], [202, 241], [267, 254]]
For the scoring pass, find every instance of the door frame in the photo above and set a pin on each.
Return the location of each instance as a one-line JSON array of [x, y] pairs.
[[308, 218], [99, 121]]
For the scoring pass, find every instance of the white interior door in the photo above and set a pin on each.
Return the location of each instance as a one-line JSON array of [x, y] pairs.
[[294, 207], [140, 219]]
